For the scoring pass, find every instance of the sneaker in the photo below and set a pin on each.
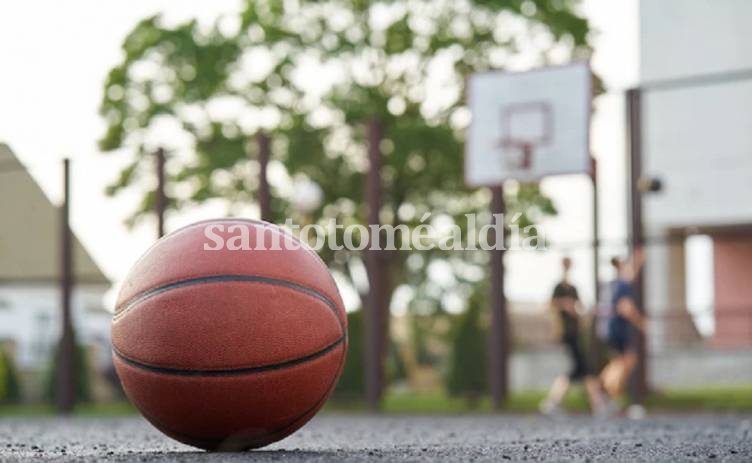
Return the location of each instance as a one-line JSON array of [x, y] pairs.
[[550, 408], [609, 409], [636, 412]]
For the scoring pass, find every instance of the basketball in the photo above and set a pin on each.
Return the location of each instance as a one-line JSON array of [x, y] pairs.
[[224, 344]]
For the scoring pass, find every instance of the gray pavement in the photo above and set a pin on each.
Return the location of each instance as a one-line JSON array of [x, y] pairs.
[[464, 438]]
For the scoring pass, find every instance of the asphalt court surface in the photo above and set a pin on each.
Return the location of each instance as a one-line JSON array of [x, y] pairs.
[[352, 437]]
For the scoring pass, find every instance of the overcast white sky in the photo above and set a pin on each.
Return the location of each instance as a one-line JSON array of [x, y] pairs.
[[55, 56]]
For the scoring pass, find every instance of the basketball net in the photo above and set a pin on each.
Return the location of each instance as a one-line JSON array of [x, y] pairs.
[[516, 154]]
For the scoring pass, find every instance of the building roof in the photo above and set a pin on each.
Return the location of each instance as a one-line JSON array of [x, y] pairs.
[[29, 231]]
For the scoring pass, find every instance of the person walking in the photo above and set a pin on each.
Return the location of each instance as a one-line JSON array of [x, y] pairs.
[[565, 303]]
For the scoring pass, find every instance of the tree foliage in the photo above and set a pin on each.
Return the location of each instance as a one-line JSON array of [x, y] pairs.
[[467, 364], [10, 391], [310, 73], [82, 375], [351, 383]]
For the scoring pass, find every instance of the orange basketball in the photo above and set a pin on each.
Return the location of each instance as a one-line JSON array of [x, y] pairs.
[[224, 346]]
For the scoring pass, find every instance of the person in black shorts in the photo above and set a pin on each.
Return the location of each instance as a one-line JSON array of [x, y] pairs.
[[565, 302]]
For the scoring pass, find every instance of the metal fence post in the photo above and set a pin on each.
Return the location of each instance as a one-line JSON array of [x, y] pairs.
[[160, 197], [498, 340], [65, 397], [264, 195], [639, 381], [377, 305]]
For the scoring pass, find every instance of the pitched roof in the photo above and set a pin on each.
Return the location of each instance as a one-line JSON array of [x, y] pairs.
[[29, 237]]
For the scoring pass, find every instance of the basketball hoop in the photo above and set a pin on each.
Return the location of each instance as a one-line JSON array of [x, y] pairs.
[[516, 154], [524, 125], [528, 125]]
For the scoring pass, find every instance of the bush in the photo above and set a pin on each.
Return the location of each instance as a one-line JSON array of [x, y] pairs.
[[467, 365], [83, 386], [10, 392], [351, 384], [394, 367]]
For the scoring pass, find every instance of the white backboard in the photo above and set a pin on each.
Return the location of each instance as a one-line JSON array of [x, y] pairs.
[[528, 125]]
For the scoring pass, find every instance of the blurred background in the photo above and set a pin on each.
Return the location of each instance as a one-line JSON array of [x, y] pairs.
[[171, 112]]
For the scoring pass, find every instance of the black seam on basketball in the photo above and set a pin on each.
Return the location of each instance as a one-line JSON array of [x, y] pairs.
[[320, 402], [129, 305], [228, 371]]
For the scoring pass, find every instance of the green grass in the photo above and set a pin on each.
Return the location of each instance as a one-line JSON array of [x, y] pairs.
[[89, 409], [720, 399], [704, 399], [30, 410], [439, 402]]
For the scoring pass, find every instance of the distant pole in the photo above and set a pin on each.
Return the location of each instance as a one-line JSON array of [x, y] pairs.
[[66, 378], [639, 381], [160, 197], [498, 340], [597, 354], [264, 195], [376, 316], [596, 233]]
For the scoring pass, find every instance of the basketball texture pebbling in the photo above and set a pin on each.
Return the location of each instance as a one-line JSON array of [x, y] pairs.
[[225, 348]]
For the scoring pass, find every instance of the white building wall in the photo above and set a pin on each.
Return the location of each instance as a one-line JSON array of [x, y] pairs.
[[681, 38], [30, 320], [696, 139]]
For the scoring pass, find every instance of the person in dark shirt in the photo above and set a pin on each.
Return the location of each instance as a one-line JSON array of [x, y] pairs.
[[565, 302]]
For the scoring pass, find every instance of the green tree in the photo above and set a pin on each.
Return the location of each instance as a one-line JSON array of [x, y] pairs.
[[351, 384], [467, 365], [83, 382], [10, 391], [310, 73]]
